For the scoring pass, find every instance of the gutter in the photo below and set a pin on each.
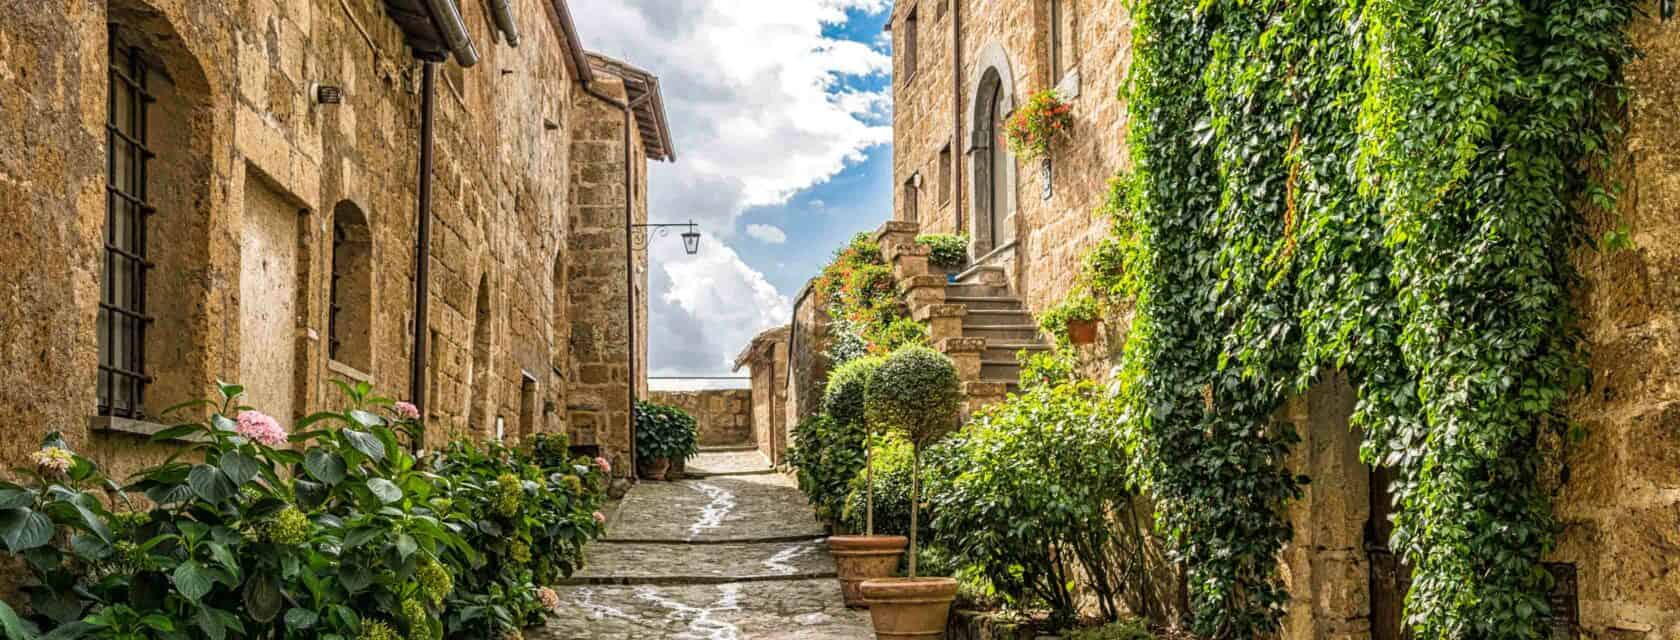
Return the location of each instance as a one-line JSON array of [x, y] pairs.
[[447, 17], [503, 15], [957, 154]]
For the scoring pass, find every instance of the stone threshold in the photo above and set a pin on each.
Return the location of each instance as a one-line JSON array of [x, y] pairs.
[[759, 540], [696, 475], [728, 448], [677, 581]]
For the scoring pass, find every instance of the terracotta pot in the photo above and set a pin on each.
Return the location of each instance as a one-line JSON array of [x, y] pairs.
[[859, 558], [656, 468], [909, 608], [1082, 331]]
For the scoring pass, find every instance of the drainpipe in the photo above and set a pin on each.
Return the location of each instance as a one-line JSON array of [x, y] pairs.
[[957, 114], [423, 244], [629, 251]]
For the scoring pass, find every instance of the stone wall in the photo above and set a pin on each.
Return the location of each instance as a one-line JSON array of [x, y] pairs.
[[1618, 491], [767, 356], [1045, 237], [598, 407], [724, 417], [808, 363], [249, 180]]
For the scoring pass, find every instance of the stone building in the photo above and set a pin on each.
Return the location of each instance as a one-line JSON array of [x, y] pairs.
[[962, 66], [766, 358], [202, 191]]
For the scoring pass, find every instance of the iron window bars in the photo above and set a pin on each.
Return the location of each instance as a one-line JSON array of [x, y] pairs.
[[334, 307], [122, 307]]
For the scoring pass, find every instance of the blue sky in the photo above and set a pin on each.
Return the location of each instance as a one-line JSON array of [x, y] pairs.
[[781, 115]]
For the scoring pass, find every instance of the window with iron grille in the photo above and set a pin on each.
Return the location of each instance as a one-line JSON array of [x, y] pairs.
[[335, 341], [122, 306]]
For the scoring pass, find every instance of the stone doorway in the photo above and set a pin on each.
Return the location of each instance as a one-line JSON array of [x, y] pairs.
[[1391, 578]]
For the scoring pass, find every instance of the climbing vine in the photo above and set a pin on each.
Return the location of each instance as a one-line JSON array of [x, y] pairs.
[[1388, 187]]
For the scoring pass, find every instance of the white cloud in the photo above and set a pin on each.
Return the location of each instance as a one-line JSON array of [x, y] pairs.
[[766, 233], [818, 204], [760, 108], [711, 306]]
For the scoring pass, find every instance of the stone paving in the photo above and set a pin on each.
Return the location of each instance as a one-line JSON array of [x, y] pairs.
[[733, 555]]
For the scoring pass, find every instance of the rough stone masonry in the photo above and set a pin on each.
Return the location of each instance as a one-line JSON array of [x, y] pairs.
[[280, 232]]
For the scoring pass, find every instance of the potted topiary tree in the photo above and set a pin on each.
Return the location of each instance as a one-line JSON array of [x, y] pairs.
[[915, 391], [663, 434], [869, 556]]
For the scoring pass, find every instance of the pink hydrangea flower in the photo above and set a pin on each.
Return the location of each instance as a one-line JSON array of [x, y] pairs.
[[605, 466], [257, 426], [600, 518], [406, 410], [53, 460], [549, 599]]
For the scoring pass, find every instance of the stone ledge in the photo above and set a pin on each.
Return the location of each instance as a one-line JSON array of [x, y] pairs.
[[940, 311], [112, 424], [986, 389], [982, 625], [962, 345], [922, 281]]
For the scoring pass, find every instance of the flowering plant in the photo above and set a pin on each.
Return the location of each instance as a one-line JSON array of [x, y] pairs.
[[1033, 127]]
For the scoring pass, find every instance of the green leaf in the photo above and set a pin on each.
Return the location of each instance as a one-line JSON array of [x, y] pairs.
[[366, 443], [385, 490], [366, 419], [177, 432], [15, 626], [25, 529], [239, 468], [16, 498], [406, 545], [192, 581], [327, 467], [229, 390], [262, 598], [300, 618], [210, 484]]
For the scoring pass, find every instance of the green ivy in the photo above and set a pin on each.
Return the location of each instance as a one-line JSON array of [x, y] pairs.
[[1390, 187]]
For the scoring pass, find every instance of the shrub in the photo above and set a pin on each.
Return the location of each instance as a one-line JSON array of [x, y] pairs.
[[891, 456], [1053, 367], [1129, 629], [843, 398], [333, 531], [859, 292], [1034, 484], [665, 432], [827, 454], [948, 251], [916, 392]]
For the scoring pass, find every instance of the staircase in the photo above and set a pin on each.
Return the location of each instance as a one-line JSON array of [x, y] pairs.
[[975, 320]]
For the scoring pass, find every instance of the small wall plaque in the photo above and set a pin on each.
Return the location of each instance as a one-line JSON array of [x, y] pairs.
[[1046, 178], [1565, 601]]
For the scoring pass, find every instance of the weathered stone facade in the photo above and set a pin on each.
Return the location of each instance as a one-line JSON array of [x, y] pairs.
[[266, 201], [724, 417], [767, 357], [1617, 493]]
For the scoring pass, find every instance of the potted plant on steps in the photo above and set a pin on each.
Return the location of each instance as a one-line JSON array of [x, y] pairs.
[[1074, 320], [663, 434], [869, 556], [917, 391], [948, 253]]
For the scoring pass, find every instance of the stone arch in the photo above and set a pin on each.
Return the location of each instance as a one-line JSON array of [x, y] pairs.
[[479, 375], [160, 97], [350, 289], [991, 168]]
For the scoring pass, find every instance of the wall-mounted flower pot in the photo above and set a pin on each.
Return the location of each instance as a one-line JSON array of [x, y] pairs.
[[656, 468], [860, 558], [1082, 331], [909, 608]]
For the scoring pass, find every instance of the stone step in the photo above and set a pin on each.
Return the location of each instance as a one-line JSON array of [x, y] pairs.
[[1002, 333], [676, 563], [785, 610], [1000, 370], [992, 318], [975, 291], [985, 303], [982, 273], [1010, 351], [729, 473]]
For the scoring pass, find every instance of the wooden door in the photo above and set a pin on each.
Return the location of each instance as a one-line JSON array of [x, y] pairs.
[[1391, 578]]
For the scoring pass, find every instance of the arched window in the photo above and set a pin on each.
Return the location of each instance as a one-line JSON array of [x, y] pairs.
[[350, 291], [479, 375], [151, 343]]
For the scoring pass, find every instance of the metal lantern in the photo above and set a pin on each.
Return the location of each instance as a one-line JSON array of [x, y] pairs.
[[691, 240]]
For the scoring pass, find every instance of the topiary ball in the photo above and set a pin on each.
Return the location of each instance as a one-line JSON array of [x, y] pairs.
[[844, 399], [916, 391]]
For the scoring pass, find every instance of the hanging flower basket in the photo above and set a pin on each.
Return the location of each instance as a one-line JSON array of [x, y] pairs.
[[1035, 126]]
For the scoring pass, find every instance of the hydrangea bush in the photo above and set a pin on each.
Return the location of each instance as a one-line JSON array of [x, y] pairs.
[[334, 530]]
